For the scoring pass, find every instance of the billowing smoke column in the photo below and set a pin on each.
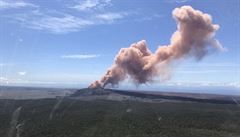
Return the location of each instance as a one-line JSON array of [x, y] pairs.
[[194, 38]]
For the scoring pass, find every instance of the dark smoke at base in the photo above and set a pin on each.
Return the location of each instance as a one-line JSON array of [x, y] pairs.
[[194, 38]]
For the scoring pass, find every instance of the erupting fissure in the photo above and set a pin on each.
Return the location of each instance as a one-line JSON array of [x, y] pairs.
[[194, 37]]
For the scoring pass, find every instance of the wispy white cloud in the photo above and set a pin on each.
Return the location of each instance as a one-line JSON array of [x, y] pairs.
[[87, 5], [3, 79], [58, 21], [80, 56], [149, 18], [182, 1], [111, 16], [5, 64], [64, 23], [176, 1], [57, 25], [7, 4], [22, 73], [2, 65]]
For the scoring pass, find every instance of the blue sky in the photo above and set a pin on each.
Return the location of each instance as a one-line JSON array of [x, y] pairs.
[[73, 42]]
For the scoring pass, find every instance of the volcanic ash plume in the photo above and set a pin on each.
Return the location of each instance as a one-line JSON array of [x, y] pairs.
[[194, 37]]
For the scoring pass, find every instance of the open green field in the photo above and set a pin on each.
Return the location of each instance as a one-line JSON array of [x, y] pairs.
[[102, 118]]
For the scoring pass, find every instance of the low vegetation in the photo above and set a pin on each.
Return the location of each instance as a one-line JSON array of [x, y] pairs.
[[102, 118]]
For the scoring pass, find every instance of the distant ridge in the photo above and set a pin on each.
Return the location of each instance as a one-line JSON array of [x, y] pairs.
[[89, 91], [153, 96]]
